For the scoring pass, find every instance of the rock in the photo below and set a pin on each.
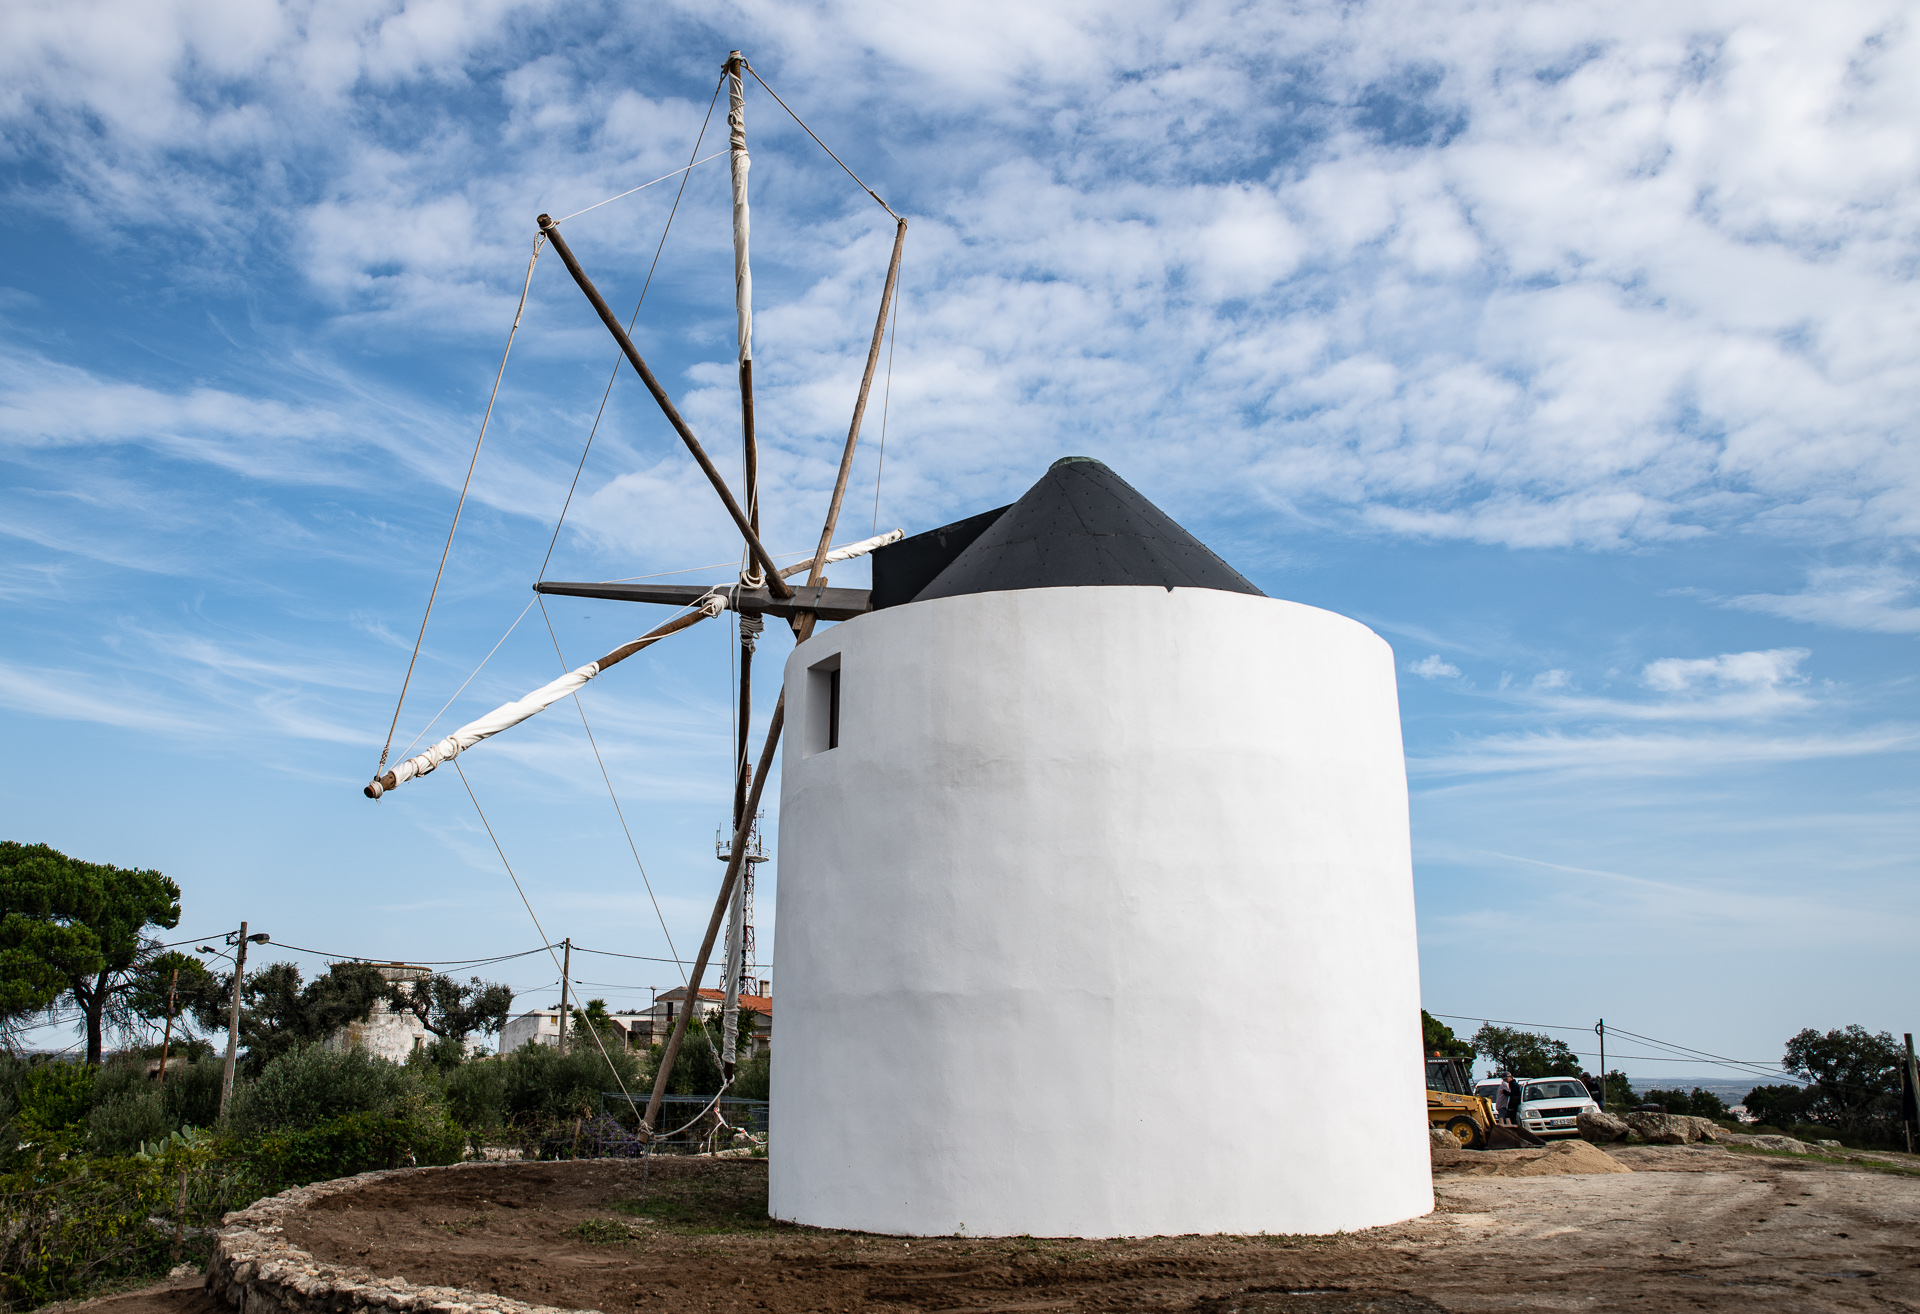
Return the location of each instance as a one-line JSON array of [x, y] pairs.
[[1786, 1143], [1601, 1128], [1662, 1128], [1442, 1139], [1828, 1145]]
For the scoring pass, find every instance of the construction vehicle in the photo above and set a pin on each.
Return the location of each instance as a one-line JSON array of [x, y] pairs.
[[1468, 1118]]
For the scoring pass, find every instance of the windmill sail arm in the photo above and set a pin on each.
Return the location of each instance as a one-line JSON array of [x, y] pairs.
[[508, 715], [831, 604], [504, 717]]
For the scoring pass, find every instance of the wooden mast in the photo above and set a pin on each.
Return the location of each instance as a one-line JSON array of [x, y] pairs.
[[803, 625], [750, 473]]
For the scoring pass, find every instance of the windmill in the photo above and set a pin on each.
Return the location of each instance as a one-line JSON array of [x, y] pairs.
[[1095, 886]]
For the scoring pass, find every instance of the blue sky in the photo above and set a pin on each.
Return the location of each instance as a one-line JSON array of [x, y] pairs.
[[1571, 347]]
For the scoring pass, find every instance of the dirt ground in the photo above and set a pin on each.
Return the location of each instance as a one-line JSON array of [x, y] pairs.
[[1689, 1228]]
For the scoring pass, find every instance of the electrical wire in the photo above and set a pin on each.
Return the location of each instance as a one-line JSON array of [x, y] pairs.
[[536, 923]]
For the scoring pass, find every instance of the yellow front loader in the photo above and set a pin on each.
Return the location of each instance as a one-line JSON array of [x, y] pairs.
[[1468, 1118]]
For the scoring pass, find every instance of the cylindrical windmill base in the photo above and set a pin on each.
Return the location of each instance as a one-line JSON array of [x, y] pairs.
[[1096, 919]]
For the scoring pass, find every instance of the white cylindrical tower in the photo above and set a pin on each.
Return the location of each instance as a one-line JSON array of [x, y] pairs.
[[1095, 910]]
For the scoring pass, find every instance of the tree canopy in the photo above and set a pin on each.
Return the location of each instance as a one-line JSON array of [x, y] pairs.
[[1525, 1053], [1438, 1040], [76, 929], [453, 1011], [1852, 1080], [280, 1012]]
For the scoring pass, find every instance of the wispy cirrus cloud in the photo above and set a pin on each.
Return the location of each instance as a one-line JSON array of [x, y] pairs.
[[1873, 598], [1612, 753]]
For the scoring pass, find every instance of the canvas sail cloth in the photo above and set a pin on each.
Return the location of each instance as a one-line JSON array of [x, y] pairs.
[[742, 271], [508, 715]]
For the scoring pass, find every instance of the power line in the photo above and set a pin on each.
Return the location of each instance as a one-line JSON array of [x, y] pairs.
[[445, 962]]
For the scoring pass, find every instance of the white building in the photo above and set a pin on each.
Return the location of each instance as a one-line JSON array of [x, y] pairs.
[[640, 1029], [385, 1033], [668, 1003], [1068, 797]]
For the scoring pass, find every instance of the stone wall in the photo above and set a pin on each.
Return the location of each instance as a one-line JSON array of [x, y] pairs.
[[255, 1269]]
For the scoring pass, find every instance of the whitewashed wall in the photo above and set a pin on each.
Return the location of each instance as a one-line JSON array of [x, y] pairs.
[[1099, 921]]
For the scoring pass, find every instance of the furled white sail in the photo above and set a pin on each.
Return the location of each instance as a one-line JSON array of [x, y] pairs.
[[508, 715], [742, 271], [504, 717]]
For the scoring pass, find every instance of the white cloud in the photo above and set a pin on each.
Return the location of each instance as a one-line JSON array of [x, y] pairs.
[[1618, 754], [1875, 598], [1745, 670], [1526, 274], [1553, 679], [1432, 667]]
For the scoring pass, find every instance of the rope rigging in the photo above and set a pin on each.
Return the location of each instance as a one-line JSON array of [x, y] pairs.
[[759, 571]]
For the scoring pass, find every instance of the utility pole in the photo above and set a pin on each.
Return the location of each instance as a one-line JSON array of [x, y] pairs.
[[1601, 1027], [240, 943], [167, 1040], [566, 976], [1910, 1094]]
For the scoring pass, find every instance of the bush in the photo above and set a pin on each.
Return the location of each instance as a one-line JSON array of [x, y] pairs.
[[539, 1084], [71, 1224], [477, 1095], [417, 1131], [122, 1123], [192, 1093], [1698, 1103], [54, 1099], [696, 1069], [311, 1086], [753, 1079]]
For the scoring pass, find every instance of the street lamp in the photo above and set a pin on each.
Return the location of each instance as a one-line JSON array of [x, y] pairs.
[[240, 940]]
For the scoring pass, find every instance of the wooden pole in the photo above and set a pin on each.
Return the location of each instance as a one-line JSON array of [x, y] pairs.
[[651, 637], [1910, 1080], [1601, 1027], [566, 978], [760, 554], [734, 863], [736, 912], [859, 411], [233, 1023], [166, 1040], [743, 282]]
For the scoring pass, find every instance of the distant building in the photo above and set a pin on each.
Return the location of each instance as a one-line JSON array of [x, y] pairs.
[[385, 1033], [640, 1030], [668, 1004]]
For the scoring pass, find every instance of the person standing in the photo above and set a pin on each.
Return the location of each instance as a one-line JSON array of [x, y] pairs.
[[1503, 1110], [1510, 1088]]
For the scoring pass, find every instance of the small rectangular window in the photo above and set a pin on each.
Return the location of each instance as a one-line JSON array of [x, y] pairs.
[[823, 706]]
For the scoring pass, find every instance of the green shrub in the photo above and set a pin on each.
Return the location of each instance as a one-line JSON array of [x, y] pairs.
[[122, 1123], [418, 1131], [311, 1086], [54, 1100], [192, 1093], [753, 1079], [476, 1095], [696, 1069], [13, 1077], [539, 1084]]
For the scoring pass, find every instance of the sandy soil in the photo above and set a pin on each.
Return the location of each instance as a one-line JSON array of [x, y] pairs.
[[182, 1295], [1689, 1228]]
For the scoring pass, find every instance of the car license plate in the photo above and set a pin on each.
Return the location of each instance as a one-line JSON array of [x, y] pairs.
[[1562, 1122]]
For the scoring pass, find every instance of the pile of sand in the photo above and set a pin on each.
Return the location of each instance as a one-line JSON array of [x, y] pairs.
[[1561, 1157]]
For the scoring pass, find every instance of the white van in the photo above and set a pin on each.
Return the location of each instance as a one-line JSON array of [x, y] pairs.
[[1549, 1106]]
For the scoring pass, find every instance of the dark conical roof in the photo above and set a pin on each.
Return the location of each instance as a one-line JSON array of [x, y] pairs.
[[1082, 524]]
